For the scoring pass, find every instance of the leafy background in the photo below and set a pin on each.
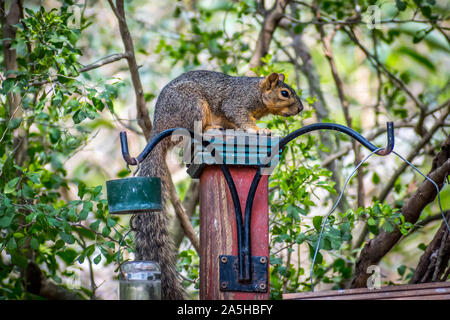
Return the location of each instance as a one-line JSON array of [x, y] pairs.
[[62, 107]]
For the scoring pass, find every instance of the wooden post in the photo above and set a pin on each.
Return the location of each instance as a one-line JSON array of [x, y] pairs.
[[218, 233]]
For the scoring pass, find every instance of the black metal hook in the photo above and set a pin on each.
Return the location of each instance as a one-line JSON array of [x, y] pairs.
[[282, 144]]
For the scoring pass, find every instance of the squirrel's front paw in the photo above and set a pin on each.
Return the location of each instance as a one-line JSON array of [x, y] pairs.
[[265, 132], [260, 131]]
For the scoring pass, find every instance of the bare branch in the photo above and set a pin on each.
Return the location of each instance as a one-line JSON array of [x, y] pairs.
[[189, 203], [37, 283], [377, 64], [269, 25], [141, 107], [351, 22], [309, 70], [326, 43], [183, 218], [435, 259], [103, 61], [99, 63]]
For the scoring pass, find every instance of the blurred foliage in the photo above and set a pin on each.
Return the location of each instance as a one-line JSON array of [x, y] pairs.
[[62, 107], [35, 219]]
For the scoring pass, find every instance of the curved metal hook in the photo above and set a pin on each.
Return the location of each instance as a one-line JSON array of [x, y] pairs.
[[341, 128]]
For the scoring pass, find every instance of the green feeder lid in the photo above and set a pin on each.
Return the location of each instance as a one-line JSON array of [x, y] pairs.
[[134, 195]]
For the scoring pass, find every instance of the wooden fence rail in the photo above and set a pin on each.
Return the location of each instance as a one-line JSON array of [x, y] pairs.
[[423, 291]]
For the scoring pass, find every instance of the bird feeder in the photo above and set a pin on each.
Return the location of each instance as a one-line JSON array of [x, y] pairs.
[[140, 280], [234, 250], [134, 195]]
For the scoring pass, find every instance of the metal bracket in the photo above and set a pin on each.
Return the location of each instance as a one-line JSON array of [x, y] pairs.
[[229, 274]]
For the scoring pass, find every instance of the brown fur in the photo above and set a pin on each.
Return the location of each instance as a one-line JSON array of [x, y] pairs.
[[219, 101]]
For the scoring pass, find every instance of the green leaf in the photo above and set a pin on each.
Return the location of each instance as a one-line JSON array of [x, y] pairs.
[[401, 5], [67, 238], [97, 259], [98, 104], [419, 58], [81, 189], [319, 257], [11, 185], [388, 226], [18, 235], [317, 222], [110, 222], [68, 255], [72, 214], [95, 225], [5, 222], [34, 243], [300, 238], [401, 270], [422, 246], [7, 85], [375, 178], [293, 212], [426, 11], [84, 213], [374, 229], [106, 231], [11, 245], [14, 123], [54, 134], [79, 116]]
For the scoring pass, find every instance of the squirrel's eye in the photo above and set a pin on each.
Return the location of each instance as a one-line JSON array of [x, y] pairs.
[[284, 93]]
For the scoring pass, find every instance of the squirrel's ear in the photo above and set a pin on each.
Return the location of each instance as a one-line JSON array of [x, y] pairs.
[[281, 77], [270, 81]]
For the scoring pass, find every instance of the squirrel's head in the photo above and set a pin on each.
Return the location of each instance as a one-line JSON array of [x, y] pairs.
[[278, 97]]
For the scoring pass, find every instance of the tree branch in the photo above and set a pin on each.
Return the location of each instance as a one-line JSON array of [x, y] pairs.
[[99, 63], [269, 25], [141, 107], [143, 115], [183, 217], [377, 64], [190, 202], [37, 283], [431, 263], [326, 42]]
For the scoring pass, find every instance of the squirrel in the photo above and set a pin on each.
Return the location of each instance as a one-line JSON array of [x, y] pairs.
[[219, 101]]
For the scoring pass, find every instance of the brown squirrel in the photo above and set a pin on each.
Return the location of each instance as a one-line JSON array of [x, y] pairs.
[[219, 101]]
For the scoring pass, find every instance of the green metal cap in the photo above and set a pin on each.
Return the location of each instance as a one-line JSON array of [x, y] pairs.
[[134, 195]]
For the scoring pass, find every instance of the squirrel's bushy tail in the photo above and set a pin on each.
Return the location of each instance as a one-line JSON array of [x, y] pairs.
[[153, 240]]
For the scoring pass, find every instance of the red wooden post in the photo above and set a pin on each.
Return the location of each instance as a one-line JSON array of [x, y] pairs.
[[241, 153], [218, 234]]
